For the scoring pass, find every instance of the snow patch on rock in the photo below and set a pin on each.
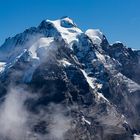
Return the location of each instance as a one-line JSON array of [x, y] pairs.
[[65, 62], [39, 50], [67, 29], [2, 66], [95, 35]]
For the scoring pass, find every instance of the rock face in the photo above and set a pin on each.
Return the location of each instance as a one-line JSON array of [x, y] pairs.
[[68, 85]]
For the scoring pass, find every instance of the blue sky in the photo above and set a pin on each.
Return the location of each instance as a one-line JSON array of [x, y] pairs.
[[117, 19]]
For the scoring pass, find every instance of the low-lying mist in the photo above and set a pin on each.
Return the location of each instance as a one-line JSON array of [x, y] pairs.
[[18, 123]]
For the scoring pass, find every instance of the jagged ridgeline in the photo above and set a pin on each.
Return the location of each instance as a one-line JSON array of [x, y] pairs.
[[60, 83]]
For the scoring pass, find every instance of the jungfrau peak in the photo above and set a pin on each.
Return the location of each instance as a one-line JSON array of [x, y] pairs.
[[60, 83]]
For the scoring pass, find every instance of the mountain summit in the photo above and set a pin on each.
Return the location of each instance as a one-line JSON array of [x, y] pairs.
[[60, 83]]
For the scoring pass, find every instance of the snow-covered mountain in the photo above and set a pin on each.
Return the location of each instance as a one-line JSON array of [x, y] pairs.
[[60, 83]]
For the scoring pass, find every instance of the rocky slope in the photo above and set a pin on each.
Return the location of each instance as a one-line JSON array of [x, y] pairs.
[[59, 83]]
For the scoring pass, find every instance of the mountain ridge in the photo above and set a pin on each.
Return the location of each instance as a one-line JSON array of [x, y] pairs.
[[77, 76]]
